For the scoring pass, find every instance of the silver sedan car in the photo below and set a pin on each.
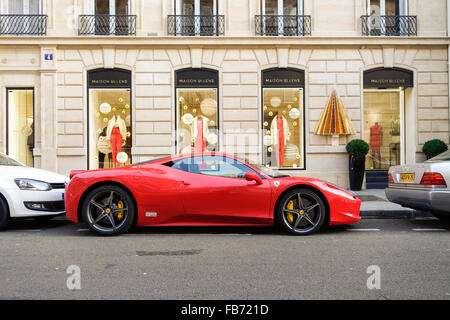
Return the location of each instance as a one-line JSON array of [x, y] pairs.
[[423, 186]]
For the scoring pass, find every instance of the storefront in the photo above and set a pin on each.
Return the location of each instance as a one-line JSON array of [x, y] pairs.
[[384, 116], [197, 116], [20, 125], [283, 118], [109, 114]]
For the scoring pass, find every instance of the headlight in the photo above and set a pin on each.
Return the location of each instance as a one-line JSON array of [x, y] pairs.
[[32, 185]]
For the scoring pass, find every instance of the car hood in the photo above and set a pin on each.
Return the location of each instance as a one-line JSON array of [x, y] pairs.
[[32, 173]]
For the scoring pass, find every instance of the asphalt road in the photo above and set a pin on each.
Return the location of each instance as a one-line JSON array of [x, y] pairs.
[[413, 257]]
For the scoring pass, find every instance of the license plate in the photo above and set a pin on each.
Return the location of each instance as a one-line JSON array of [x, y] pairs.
[[407, 177]]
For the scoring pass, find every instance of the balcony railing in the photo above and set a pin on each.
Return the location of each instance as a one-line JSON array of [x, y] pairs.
[[106, 25], [196, 25], [389, 25], [23, 24], [286, 25]]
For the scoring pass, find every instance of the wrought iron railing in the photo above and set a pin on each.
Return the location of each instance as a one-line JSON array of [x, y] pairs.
[[23, 24], [389, 25], [106, 25], [196, 25], [286, 25]]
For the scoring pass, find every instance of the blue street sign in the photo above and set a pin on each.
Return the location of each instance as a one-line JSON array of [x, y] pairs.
[[48, 56]]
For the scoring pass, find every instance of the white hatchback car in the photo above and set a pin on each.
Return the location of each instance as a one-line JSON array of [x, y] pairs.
[[29, 192]]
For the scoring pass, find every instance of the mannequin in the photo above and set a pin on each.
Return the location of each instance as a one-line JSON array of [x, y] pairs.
[[376, 139], [116, 132], [199, 132], [280, 136]]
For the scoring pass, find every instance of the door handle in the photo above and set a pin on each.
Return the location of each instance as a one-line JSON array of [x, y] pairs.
[[184, 183]]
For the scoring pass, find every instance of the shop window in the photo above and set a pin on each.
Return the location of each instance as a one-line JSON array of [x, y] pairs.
[[110, 138], [21, 125], [197, 110], [383, 127], [283, 119]]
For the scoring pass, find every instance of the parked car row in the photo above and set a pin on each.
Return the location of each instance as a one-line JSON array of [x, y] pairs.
[[208, 189]]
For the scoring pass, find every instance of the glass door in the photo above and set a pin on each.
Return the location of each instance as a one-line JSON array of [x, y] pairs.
[[384, 127], [20, 126]]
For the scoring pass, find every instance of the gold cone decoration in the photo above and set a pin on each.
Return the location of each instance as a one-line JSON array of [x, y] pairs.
[[334, 120]]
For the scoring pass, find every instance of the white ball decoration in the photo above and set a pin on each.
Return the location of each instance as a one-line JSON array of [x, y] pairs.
[[208, 107], [188, 118], [122, 157], [212, 138], [290, 152], [275, 102], [105, 108], [294, 113]]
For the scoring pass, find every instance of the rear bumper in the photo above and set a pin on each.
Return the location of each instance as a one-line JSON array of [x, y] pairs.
[[420, 199]]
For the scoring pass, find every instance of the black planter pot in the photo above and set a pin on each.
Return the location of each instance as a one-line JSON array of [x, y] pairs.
[[357, 168]]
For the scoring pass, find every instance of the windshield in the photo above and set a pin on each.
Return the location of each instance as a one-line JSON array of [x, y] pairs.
[[270, 172], [445, 156], [7, 161]]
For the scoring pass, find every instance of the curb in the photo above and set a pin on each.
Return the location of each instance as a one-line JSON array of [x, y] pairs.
[[395, 214]]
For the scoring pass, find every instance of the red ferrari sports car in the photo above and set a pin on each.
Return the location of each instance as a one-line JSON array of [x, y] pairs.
[[210, 189]]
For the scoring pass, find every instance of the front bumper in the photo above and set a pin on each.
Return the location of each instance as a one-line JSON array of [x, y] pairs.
[[420, 199], [19, 203]]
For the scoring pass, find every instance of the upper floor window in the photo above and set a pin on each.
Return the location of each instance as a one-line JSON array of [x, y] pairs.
[[282, 18], [111, 17], [196, 18], [112, 7], [388, 18], [25, 7], [22, 17], [282, 7]]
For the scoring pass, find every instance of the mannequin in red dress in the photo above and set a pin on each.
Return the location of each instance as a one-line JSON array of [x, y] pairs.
[[376, 139]]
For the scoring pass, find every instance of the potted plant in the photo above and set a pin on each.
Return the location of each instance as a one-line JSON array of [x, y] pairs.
[[434, 147], [357, 149]]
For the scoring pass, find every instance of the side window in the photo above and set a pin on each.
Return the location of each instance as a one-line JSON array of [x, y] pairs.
[[214, 166]]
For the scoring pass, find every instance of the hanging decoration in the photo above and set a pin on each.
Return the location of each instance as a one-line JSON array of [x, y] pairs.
[[334, 120]]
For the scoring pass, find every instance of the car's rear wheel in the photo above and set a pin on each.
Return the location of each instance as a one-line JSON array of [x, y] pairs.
[[301, 212], [108, 210], [4, 214]]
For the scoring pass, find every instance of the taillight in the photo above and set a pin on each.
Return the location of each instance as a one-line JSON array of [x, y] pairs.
[[433, 178], [391, 180]]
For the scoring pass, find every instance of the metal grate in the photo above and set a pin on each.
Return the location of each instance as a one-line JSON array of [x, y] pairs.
[[389, 25], [285, 25], [196, 25], [106, 25], [20, 24]]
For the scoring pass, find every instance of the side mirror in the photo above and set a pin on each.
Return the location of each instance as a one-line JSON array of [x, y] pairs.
[[251, 176]]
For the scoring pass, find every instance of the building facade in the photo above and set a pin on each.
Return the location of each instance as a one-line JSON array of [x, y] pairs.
[[87, 84]]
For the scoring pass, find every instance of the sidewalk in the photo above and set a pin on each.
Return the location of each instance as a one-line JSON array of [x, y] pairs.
[[375, 205]]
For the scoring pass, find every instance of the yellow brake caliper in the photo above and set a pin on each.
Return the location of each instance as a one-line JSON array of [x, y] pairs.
[[120, 213], [290, 216]]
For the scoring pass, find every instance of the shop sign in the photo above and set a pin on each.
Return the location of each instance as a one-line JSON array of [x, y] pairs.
[[109, 78], [197, 78], [388, 78], [283, 78]]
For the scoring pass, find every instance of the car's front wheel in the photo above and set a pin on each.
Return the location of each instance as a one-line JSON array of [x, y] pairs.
[[4, 214], [301, 212], [108, 210]]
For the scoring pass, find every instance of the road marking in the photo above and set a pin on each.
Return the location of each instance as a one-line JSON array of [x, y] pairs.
[[364, 230], [428, 229]]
